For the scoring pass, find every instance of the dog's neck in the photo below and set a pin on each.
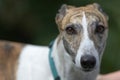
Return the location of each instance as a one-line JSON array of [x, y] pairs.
[[65, 66]]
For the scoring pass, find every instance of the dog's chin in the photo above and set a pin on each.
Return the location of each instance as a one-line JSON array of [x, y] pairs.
[[87, 70]]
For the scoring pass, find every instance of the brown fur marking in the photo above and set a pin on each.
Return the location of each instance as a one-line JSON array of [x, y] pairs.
[[9, 53]]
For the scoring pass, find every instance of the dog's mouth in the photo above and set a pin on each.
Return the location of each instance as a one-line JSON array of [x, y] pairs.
[[88, 69]]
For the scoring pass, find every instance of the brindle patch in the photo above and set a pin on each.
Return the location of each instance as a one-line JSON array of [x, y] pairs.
[[75, 11], [9, 53], [72, 42], [68, 48], [8, 49]]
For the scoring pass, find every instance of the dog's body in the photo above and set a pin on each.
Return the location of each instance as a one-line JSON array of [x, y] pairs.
[[77, 51], [24, 62]]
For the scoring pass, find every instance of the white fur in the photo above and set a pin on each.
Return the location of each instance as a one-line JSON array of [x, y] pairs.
[[86, 44], [33, 64], [63, 61]]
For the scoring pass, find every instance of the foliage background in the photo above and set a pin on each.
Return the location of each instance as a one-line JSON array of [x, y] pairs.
[[32, 21]]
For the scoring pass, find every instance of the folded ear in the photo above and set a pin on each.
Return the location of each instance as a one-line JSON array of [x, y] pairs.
[[61, 13], [96, 5]]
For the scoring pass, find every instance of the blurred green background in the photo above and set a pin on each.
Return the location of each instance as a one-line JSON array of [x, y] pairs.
[[32, 21]]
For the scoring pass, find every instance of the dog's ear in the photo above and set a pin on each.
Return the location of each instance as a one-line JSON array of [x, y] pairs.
[[61, 13], [98, 7]]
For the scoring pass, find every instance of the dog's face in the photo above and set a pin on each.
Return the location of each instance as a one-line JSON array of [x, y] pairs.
[[84, 32]]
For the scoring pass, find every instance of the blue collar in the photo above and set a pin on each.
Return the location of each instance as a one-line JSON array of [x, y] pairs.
[[52, 64]]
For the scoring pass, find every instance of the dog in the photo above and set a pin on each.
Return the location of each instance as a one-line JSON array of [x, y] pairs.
[[75, 54]]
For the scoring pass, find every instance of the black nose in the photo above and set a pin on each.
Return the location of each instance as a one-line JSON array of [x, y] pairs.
[[88, 62]]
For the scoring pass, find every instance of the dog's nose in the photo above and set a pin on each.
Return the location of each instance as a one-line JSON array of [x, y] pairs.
[[88, 62]]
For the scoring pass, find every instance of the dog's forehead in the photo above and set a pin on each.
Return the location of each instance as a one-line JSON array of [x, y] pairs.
[[75, 15]]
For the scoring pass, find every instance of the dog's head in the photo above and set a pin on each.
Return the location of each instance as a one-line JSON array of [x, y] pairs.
[[84, 32]]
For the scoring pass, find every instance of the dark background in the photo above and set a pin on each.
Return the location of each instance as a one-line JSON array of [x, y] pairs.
[[33, 22]]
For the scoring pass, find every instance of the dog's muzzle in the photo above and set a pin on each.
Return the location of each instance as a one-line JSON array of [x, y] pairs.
[[88, 62]]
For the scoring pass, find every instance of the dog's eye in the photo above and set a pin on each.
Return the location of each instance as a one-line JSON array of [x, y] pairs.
[[70, 30], [99, 29]]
